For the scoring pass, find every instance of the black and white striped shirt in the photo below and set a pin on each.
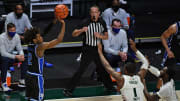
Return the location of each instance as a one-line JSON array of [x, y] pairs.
[[99, 26]]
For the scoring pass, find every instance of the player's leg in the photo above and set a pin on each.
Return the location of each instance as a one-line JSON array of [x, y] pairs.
[[32, 87], [29, 86], [41, 88], [85, 61]]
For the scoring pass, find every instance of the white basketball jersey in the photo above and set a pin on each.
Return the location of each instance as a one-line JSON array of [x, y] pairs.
[[167, 92], [133, 88]]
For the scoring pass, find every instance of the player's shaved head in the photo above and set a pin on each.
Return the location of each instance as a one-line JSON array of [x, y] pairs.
[[130, 67]]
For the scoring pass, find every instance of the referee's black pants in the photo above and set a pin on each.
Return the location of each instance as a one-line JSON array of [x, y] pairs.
[[90, 54]]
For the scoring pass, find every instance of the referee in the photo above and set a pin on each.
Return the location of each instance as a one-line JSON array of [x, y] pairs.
[[93, 29]]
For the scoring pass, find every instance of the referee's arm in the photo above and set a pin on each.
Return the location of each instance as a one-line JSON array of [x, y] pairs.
[[77, 32]]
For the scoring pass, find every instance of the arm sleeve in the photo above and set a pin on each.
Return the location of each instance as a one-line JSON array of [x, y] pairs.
[[144, 61], [125, 43], [154, 71], [108, 49], [4, 52], [19, 46]]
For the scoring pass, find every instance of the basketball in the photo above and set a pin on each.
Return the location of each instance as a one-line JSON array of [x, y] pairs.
[[61, 11]]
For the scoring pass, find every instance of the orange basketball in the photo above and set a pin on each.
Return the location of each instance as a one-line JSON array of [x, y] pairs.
[[61, 11]]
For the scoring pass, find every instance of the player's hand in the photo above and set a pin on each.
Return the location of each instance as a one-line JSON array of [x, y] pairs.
[[60, 20], [54, 21], [170, 54], [132, 45], [97, 35], [20, 57], [84, 29]]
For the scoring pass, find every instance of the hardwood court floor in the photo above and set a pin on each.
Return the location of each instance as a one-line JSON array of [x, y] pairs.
[[100, 98], [96, 93]]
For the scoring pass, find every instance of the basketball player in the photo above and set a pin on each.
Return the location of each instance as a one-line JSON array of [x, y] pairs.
[[36, 49], [172, 45], [167, 90], [132, 86]]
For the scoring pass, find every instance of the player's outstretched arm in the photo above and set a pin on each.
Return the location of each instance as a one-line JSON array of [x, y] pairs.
[[107, 66], [145, 63], [51, 44]]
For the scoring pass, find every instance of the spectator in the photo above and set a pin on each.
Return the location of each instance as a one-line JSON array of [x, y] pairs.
[[9, 41], [20, 20], [130, 18], [116, 47], [131, 21], [22, 23], [115, 12]]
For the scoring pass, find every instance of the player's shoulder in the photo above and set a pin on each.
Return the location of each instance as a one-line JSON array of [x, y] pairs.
[[173, 27], [174, 24], [126, 77], [137, 76]]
